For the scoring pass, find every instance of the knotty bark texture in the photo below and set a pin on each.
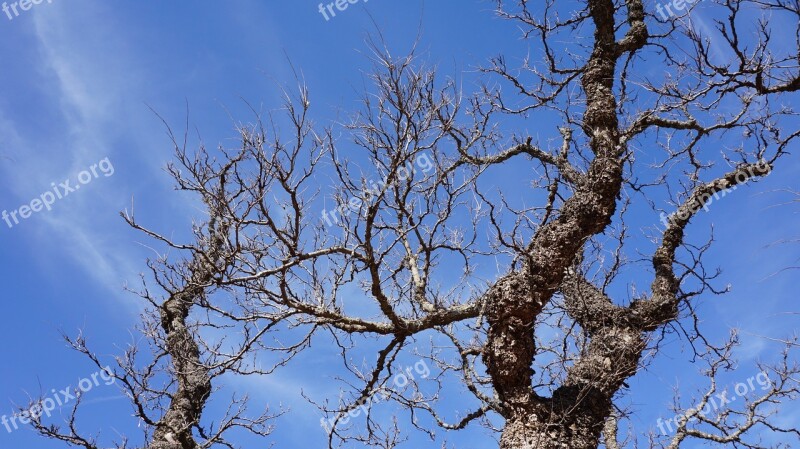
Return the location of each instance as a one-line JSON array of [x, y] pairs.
[[174, 431], [175, 428], [574, 416]]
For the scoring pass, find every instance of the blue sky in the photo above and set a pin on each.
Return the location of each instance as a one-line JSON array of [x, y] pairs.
[[77, 83]]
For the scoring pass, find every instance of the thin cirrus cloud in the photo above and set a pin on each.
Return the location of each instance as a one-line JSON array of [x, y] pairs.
[[81, 93]]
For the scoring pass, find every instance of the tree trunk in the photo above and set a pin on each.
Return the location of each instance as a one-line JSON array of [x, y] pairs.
[[526, 433]]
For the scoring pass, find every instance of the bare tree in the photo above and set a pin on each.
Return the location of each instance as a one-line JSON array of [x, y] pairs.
[[508, 290]]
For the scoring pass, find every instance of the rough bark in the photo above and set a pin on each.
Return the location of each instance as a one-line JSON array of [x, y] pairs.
[[574, 416], [174, 430]]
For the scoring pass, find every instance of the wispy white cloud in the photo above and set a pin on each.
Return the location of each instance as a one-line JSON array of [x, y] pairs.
[[88, 91]]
